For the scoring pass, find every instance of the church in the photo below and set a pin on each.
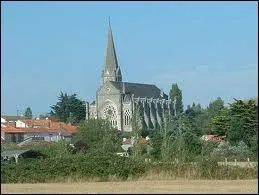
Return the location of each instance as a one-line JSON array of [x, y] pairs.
[[117, 100]]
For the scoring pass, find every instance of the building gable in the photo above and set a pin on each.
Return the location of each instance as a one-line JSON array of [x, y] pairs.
[[109, 88]]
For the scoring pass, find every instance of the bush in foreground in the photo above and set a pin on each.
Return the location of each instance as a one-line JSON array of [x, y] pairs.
[[79, 166]]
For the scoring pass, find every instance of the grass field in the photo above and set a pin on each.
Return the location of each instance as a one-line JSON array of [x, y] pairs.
[[158, 186]]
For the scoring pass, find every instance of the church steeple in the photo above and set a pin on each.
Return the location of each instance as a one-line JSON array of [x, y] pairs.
[[112, 70]]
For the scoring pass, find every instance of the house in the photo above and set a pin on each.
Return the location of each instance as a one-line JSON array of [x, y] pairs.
[[7, 118], [48, 130], [20, 124], [11, 121], [127, 143], [3, 120], [12, 134]]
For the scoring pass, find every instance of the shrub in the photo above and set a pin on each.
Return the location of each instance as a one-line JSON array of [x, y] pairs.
[[225, 150], [89, 166]]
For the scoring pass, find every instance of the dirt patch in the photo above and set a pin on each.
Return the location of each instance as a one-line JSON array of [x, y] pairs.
[[168, 186]]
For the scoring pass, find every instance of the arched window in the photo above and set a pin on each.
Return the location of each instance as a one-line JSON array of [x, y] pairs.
[[93, 115], [126, 117]]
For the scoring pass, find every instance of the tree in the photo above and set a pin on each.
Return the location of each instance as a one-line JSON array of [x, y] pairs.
[[156, 138], [71, 119], [220, 122], [98, 135], [243, 125], [216, 116], [215, 107], [137, 127], [28, 113], [167, 126], [44, 116], [197, 119], [68, 108], [176, 95]]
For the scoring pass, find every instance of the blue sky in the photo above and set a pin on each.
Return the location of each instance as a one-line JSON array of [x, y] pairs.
[[208, 48]]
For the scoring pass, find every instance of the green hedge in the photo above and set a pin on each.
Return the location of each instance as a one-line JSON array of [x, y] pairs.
[[61, 165], [75, 166]]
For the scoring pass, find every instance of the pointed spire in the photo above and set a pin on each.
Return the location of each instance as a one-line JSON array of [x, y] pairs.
[[110, 22], [111, 62], [112, 71]]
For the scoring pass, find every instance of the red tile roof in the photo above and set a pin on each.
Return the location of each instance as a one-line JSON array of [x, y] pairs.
[[51, 127], [10, 129], [214, 138], [127, 142]]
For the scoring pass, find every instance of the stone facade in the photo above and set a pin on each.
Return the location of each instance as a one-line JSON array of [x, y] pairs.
[[116, 100]]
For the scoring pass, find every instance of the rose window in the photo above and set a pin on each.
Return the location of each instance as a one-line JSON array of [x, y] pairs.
[[110, 114]]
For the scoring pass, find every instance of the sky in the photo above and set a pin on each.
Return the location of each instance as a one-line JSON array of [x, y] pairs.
[[210, 49]]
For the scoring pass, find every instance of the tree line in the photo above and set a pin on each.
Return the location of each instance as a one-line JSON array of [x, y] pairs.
[[182, 131], [171, 148]]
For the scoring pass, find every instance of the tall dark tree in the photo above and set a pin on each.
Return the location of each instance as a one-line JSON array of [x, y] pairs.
[[220, 122], [176, 97], [28, 113], [68, 108], [195, 117], [243, 125], [215, 107]]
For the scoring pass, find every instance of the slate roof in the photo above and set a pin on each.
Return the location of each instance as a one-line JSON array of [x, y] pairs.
[[142, 90]]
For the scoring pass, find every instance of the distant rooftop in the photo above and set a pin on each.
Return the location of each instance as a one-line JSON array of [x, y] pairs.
[[12, 118]]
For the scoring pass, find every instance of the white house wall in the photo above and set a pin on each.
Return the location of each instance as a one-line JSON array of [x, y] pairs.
[[3, 120], [47, 136], [20, 124]]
